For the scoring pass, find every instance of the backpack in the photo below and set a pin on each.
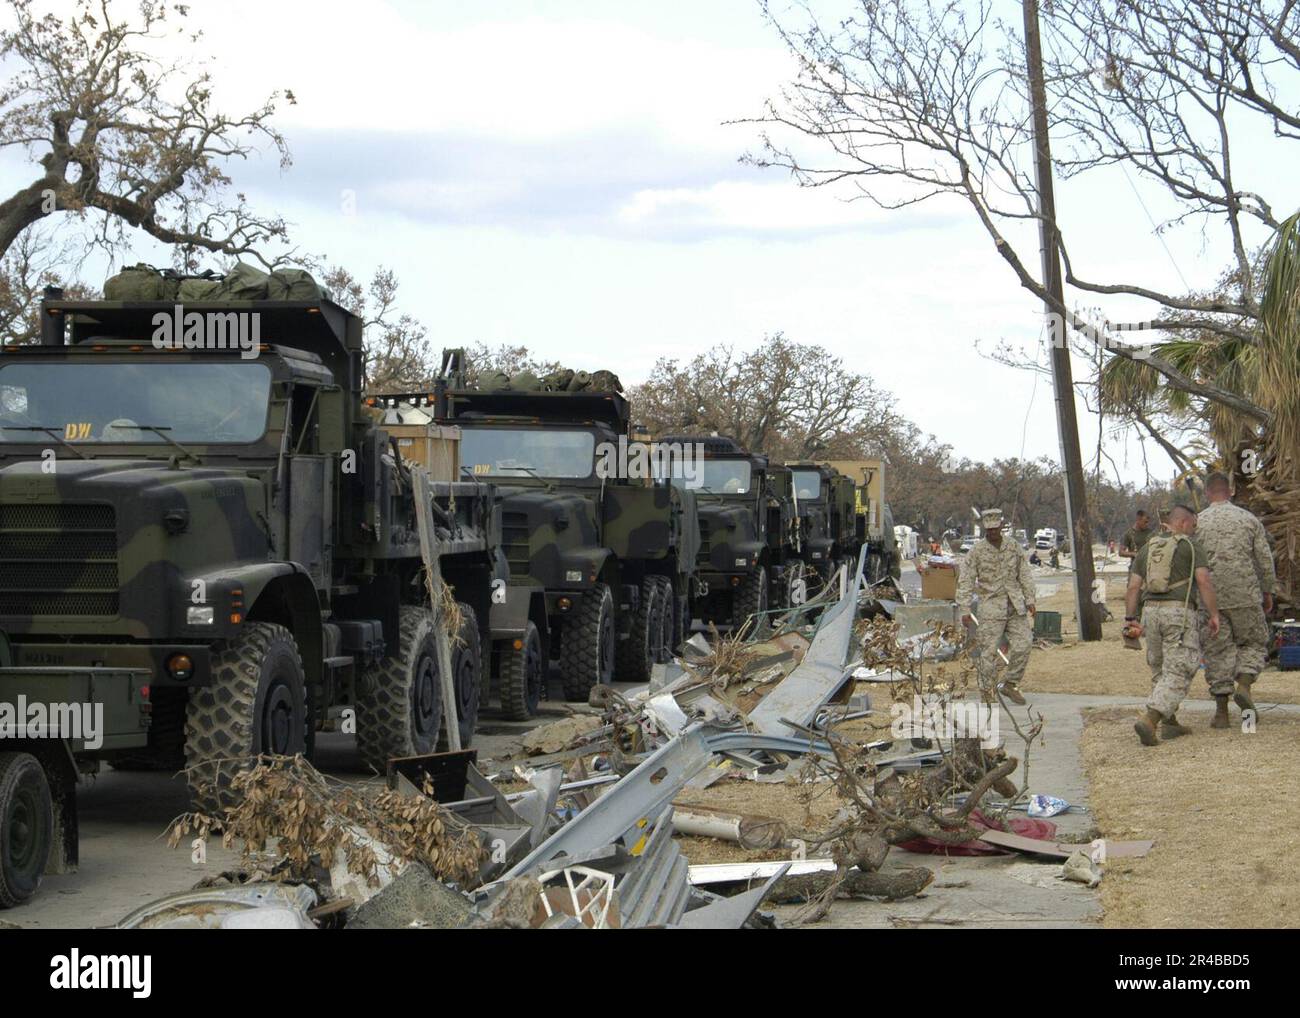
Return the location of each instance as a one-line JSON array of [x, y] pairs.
[[1160, 563]]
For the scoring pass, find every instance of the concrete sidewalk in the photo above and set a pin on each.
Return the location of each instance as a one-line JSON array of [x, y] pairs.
[[1011, 890]]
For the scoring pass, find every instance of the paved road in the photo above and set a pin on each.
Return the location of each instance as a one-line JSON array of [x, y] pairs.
[[125, 861]]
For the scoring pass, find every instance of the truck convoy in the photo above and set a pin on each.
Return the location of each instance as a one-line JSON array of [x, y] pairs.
[[612, 552], [212, 549]]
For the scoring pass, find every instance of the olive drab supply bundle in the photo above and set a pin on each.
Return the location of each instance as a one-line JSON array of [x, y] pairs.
[[142, 282], [560, 380]]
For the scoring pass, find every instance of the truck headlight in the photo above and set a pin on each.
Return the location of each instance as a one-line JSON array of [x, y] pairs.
[[200, 615]]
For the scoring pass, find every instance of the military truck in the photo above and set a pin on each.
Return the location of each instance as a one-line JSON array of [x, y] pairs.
[[828, 526], [746, 530], [614, 554], [874, 520], [216, 544]]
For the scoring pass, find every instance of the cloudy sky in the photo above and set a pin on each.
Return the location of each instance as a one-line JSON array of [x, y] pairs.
[[559, 174]]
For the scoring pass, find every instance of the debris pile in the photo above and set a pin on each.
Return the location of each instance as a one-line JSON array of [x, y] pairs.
[[756, 765]]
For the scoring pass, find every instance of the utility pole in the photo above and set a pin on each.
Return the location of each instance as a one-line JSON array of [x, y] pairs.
[[1067, 425]]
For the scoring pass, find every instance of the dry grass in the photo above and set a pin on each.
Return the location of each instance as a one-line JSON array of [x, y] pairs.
[[1108, 668], [1220, 808]]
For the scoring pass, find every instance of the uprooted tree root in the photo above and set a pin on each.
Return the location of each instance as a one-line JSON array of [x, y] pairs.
[[290, 810]]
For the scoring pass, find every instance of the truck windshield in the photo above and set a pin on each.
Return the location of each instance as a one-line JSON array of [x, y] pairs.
[[807, 483], [116, 402], [524, 452], [715, 477]]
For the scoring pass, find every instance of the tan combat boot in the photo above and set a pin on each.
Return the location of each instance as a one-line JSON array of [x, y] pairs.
[[1171, 729], [1012, 693], [1146, 727], [1220, 712], [1242, 696]]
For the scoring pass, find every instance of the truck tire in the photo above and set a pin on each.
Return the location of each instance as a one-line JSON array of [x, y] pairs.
[[636, 654], [166, 749], [750, 602], [522, 675], [667, 616], [587, 645], [255, 705], [467, 678], [400, 711], [26, 827]]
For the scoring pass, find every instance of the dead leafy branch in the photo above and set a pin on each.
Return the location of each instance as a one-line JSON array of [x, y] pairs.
[[728, 657], [290, 810], [889, 806]]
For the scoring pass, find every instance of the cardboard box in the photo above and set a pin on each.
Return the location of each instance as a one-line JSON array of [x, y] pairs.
[[939, 583]]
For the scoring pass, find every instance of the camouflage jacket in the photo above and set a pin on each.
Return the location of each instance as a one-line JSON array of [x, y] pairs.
[[998, 575], [1241, 560]]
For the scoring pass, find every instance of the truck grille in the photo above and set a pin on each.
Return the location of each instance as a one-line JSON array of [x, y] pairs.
[[58, 559], [515, 543], [705, 547]]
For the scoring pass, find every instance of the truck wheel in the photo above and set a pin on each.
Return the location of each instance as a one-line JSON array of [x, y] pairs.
[[400, 711], [26, 827], [750, 602], [467, 678], [256, 705], [522, 675], [587, 645], [667, 616], [638, 653]]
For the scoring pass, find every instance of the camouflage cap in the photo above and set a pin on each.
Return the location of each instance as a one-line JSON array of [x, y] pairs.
[[992, 519]]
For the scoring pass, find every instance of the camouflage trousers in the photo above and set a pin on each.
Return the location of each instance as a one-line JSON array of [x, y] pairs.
[[1173, 652], [1019, 632], [1241, 648]]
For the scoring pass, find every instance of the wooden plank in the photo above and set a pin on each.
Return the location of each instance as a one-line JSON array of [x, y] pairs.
[[433, 576], [1063, 850]]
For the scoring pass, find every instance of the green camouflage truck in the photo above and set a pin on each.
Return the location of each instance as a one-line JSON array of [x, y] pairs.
[[212, 542], [746, 531], [828, 531], [613, 550]]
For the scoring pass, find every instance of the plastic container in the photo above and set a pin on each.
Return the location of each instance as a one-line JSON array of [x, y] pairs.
[[1047, 626]]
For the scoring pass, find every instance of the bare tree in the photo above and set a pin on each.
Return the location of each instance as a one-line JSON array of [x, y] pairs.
[[34, 262], [783, 398], [121, 139], [399, 357], [911, 100]]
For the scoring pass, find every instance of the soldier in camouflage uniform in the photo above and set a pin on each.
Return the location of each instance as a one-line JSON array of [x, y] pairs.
[[1136, 537], [1169, 621], [996, 569], [1242, 565]]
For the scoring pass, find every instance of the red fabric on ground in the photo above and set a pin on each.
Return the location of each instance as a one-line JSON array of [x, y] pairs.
[[1027, 827]]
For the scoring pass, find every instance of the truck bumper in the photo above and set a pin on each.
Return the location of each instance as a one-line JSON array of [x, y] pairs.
[[92, 710]]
